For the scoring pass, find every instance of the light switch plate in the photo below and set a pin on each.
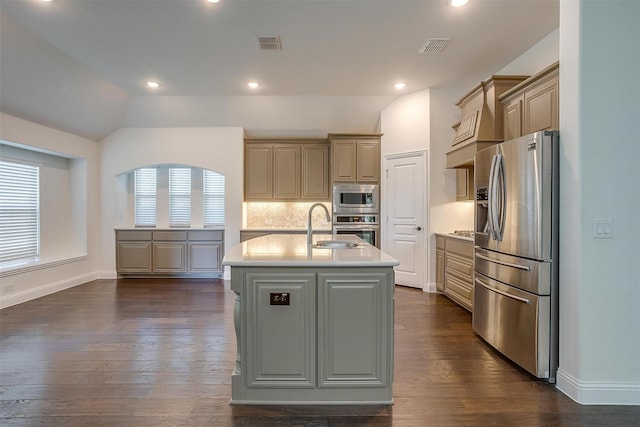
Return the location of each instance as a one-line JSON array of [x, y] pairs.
[[602, 228]]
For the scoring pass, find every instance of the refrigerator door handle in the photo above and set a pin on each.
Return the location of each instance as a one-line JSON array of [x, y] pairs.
[[506, 264], [492, 289], [490, 200], [501, 190]]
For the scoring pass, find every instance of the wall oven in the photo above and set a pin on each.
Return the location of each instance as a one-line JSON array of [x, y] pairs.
[[366, 227], [356, 199]]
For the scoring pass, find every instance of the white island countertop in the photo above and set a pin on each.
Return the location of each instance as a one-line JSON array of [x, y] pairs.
[[291, 250]]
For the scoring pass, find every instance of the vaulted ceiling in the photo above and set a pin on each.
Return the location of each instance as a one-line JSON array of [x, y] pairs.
[[81, 65]]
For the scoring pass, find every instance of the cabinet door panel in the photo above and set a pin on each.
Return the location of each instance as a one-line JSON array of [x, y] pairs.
[[205, 257], [541, 108], [513, 119], [344, 161], [134, 257], [440, 270], [281, 339], [315, 172], [169, 257], [368, 162], [258, 169], [352, 329], [286, 169]]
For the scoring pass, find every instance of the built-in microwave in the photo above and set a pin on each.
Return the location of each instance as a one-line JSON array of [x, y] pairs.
[[356, 198]]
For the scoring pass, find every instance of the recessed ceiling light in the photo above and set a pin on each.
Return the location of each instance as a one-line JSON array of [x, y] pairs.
[[213, 1], [458, 3], [153, 85], [253, 85], [399, 85]]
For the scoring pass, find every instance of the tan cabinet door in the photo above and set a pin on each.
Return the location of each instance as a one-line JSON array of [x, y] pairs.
[[368, 161], [513, 119], [344, 161], [258, 172], [541, 107], [286, 170], [315, 172]]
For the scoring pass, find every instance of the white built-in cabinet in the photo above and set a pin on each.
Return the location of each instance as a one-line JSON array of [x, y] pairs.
[[195, 253]]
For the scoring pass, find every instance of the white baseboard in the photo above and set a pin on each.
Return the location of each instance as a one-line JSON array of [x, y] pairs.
[[107, 274], [49, 288], [430, 288], [597, 393]]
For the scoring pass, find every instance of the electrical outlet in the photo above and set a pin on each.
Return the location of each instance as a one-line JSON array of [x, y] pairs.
[[279, 298]]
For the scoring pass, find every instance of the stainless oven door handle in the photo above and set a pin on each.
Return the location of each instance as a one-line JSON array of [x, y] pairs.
[[506, 264], [484, 285]]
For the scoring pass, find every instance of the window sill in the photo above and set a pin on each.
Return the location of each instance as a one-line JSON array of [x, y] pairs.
[[38, 265]]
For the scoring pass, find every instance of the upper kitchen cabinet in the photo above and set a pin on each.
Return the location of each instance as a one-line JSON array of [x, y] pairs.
[[532, 105], [315, 176], [286, 170], [481, 123], [355, 158], [258, 171]]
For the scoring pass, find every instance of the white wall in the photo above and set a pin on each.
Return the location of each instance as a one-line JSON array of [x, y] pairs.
[[218, 149], [70, 246], [599, 115]]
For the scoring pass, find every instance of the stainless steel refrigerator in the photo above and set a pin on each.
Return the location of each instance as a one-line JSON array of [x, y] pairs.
[[515, 305]]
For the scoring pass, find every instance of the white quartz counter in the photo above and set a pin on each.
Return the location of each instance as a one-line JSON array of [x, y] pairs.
[[291, 250]]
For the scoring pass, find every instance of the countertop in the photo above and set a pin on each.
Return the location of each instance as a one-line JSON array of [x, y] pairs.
[[291, 250], [455, 236], [169, 229], [286, 230]]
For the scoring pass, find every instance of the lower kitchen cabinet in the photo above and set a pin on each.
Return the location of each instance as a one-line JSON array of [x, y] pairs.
[[440, 247], [305, 336], [188, 253], [454, 269], [352, 330], [281, 335]]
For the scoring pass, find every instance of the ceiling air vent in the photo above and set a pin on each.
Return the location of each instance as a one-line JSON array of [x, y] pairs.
[[269, 43], [433, 46]]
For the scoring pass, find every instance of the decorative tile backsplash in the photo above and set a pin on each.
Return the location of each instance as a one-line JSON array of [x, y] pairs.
[[284, 215]]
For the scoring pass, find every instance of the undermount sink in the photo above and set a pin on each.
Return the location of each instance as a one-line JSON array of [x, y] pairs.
[[335, 244]]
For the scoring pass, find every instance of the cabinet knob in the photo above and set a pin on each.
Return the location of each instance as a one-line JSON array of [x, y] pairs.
[[418, 228]]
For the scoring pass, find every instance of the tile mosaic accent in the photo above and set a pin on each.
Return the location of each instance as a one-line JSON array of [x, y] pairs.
[[284, 215]]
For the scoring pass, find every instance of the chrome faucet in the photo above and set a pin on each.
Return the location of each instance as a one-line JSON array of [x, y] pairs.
[[309, 228]]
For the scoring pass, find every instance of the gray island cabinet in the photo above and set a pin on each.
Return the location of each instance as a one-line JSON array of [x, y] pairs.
[[313, 325]]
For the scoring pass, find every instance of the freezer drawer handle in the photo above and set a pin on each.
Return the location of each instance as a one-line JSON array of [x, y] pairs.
[[481, 283], [508, 264]]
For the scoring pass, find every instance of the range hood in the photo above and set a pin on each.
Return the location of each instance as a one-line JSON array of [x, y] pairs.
[[481, 125]]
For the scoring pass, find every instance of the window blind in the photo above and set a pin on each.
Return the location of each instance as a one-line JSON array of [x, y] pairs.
[[19, 211], [180, 197], [213, 198], [145, 196]]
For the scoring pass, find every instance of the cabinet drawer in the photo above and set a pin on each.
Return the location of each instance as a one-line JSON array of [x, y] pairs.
[[459, 290], [459, 266], [208, 235], [170, 235], [133, 235], [460, 247]]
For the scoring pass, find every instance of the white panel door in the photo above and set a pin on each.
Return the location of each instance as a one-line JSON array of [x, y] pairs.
[[405, 197]]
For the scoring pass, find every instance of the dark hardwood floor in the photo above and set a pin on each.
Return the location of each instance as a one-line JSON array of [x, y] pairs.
[[160, 353]]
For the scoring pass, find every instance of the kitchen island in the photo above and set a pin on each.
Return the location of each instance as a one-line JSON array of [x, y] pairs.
[[313, 325]]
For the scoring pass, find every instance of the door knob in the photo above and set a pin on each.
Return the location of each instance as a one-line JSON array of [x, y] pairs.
[[418, 228]]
